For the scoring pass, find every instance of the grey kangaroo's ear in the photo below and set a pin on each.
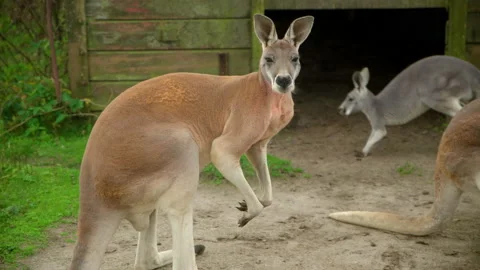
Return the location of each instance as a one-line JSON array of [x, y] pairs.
[[264, 29], [360, 78], [299, 30], [356, 80], [365, 77]]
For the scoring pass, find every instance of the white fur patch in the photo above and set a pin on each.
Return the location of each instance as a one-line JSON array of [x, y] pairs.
[[349, 111], [477, 180]]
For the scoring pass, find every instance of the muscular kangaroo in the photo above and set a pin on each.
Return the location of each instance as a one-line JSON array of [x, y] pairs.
[[149, 145]]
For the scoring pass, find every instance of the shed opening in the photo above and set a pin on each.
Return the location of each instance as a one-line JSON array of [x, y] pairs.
[[343, 41]]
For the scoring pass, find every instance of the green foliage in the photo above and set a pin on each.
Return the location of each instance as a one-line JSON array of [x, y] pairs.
[[27, 94], [278, 167]]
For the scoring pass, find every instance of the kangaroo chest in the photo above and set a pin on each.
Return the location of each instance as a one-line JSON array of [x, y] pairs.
[[281, 112]]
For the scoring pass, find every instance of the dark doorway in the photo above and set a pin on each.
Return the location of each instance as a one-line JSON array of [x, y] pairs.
[[384, 40]]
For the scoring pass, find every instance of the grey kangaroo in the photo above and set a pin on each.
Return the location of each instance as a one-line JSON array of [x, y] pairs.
[[442, 83], [456, 171]]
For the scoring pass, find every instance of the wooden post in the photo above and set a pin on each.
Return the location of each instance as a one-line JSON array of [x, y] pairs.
[[456, 28], [77, 48], [257, 7]]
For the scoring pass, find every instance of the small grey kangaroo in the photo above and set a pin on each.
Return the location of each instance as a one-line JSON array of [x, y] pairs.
[[439, 82]]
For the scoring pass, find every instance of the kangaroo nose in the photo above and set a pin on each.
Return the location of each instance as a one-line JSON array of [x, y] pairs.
[[341, 111], [283, 81]]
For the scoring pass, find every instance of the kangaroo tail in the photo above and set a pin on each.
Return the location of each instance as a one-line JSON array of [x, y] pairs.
[[446, 202]]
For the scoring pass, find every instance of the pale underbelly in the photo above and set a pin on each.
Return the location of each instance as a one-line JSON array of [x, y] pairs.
[[406, 115]]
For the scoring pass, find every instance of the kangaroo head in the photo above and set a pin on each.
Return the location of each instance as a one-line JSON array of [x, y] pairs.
[[280, 61], [356, 99]]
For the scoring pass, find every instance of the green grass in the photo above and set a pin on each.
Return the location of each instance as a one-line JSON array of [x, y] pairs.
[[278, 167], [408, 169], [39, 189]]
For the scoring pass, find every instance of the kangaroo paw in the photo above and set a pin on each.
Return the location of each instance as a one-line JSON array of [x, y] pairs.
[[199, 249], [358, 154], [243, 206], [243, 221]]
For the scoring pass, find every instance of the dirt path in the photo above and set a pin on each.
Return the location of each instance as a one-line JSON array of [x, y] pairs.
[[294, 232]]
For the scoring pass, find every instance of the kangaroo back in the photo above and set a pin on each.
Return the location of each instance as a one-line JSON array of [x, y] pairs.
[[442, 83]]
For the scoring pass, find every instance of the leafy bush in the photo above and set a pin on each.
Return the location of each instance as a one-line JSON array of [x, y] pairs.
[[27, 94]]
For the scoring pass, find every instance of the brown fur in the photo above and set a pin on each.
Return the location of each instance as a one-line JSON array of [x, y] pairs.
[[163, 103], [148, 146]]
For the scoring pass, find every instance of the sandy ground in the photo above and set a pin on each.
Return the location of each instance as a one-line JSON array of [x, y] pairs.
[[295, 233]]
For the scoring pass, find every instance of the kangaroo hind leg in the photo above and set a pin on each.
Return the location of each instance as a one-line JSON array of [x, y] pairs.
[[95, 230], [147, 256], [177, 203], [446, 103], [170, 189]]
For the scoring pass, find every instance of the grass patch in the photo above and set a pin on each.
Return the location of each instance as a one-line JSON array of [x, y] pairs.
[[278, 167], [33, 198], [39, 188], [408, 169]]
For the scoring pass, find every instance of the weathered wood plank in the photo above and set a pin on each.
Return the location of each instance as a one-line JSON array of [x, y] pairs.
[[169, 34], [457, 28], [352, 4], [473, 28], [145, 65], [77, 48], [104, 92], [473, 54], [473, 5], [257, 7], [166, 9]]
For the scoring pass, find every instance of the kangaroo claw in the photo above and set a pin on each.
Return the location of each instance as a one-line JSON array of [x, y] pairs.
[[199, 249], [243, 221], [243, 206], [359, 154]]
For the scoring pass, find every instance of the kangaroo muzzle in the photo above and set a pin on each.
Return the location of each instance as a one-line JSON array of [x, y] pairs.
[[284, 83]]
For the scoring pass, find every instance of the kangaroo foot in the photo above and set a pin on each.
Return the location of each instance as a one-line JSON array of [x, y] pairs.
[[243, 206], [359, 154]]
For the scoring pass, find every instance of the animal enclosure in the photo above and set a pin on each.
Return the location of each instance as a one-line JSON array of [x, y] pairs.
[[115, 44], [294, 232]]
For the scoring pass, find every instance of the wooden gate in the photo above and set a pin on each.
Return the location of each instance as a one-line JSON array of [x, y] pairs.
[[115, 44]]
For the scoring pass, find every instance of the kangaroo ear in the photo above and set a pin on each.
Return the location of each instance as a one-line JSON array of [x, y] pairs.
[[356, 80], [265, 30], [299, 30], [360, 78], [365, 77]]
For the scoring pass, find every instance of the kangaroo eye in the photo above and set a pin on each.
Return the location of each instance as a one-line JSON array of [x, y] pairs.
[[350, 99], [295, 59], [269, 59]]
